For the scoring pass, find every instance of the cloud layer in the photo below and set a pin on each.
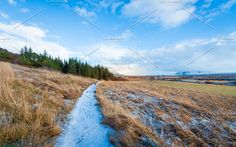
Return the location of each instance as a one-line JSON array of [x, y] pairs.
[[117, 55], [120, 59], [32, 36], [170, 59], [168, 14]]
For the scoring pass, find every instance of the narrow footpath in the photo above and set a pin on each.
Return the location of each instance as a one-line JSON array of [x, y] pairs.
[[84, 127]]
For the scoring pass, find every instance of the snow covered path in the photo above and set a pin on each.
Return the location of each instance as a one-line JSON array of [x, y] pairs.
[[84, 127]]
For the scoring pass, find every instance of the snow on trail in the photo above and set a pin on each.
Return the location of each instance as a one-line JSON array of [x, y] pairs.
[[84, 127]]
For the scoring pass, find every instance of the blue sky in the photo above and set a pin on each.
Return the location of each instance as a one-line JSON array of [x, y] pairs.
[[134, 37]]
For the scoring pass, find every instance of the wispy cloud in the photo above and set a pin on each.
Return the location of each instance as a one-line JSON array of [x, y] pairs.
[[218, 9], [170, 59], [228, 4], [12, 2], [207, 3], [84, 12], [32, 36], [4, 15], [114, 51], [170, 14], [115, 6], [24, 10]]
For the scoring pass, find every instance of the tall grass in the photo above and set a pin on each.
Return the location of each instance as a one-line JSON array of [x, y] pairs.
[[33, 103], [129, 130], [21, 118], [179, 103], [6, 77]]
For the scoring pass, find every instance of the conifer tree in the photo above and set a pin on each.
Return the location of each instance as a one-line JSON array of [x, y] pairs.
[[72, 66]]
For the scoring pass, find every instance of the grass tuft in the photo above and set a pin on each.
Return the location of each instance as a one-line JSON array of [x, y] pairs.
[[153, 113], [34, 102], [129, 130]]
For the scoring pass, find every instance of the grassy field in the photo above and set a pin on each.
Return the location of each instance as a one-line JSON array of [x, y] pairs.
[[128, 129], [220, 89], [34, 102], [159, 113]]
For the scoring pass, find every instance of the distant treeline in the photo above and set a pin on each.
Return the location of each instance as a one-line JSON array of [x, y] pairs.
[[72, 65]]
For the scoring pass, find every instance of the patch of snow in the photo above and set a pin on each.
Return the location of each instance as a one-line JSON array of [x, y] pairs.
[[84, 127], [232, 125], [37, 96], [5, 118], [35, 106], [182, 125], [165, 116], [67, 102]]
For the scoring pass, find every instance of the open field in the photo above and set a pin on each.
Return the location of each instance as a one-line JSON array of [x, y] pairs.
[[217, 89], [34, 103], [228, 79], [151, 113], [117, 73]]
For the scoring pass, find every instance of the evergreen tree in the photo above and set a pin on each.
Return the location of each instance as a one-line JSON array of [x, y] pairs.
[[72, 66]]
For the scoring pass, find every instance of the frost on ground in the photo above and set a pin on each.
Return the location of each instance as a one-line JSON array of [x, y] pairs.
[[84, 127], [175, 123]]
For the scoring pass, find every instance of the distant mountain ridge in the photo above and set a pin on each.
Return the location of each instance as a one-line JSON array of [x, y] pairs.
[[7, 56], [199, 73], [184, 73]]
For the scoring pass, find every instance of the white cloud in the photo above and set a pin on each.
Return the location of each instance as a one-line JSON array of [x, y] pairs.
[[170, 59], [168, 14], [222, 7], [116, 57], [126, 35], [207, 3], [24, 31], [115, 6], [12, 2], [84, 12], [3, 15], [232, 36], [228, 4], [120, 59], [24, 10], [219, 59], [30, 36]]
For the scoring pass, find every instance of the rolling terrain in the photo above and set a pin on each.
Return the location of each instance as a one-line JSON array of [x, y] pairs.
[[117, 73], [34, 103], [160, 113], [228, 79]]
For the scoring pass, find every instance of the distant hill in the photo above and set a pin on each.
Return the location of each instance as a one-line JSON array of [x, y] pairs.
[[7, 56], [185, 73], [207, 75]]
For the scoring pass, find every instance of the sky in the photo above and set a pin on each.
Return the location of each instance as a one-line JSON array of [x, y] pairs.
[[130, 37]]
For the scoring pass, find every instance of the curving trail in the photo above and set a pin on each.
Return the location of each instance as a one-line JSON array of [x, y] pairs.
[[84, 127]]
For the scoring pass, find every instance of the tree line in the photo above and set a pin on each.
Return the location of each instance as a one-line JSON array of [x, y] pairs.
[[72, 65]]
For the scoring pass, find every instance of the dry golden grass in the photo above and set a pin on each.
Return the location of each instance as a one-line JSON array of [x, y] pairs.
[[176, 102], [129, 130], [34, 102], [209, 88], [186, 96]]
